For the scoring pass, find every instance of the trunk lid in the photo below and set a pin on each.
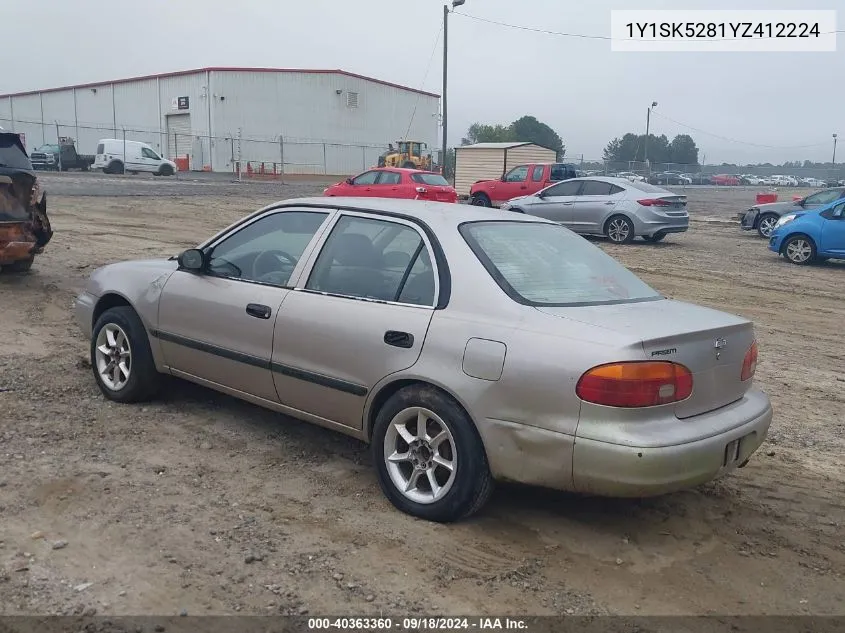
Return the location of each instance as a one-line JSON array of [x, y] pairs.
[[710, 343]]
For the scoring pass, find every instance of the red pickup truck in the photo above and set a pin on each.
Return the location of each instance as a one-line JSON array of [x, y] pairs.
[[519, 181]]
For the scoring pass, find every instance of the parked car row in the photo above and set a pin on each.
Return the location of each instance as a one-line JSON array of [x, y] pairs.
[[804, 231]]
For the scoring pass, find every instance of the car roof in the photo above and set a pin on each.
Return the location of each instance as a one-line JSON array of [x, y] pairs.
[[611, 179], [405, 170], [443, 215]]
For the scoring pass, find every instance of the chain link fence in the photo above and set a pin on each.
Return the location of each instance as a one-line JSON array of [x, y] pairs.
[[233, 152]]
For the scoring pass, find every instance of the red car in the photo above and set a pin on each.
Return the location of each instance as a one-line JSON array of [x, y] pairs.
[[390, 182], [724, 180]]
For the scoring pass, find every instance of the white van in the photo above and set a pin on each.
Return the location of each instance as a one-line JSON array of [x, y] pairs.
[[116, 156]]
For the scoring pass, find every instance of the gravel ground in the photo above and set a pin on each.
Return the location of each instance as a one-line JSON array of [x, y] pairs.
[[202, 504]]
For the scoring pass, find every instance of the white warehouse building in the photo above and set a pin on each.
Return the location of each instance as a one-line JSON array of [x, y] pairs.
[[293, 121]]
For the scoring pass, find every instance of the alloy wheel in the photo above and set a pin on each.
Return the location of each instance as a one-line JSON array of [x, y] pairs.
[[618, 230], [422, 460], [767, 225], [799, 250], [113, 357]]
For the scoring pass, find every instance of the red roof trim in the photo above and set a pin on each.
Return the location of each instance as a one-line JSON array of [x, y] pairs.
[[180, 73]]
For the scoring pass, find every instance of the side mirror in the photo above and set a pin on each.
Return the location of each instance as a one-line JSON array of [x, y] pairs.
[[349, 181], [541, 194], [801, 202], [192, 259]]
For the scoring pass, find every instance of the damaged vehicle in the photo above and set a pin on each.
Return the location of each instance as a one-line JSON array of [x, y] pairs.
[[24, 226]]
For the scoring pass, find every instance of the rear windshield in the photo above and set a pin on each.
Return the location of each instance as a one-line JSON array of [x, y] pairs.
[[430, 179], [547, 265], [644, 186], [11, 154]]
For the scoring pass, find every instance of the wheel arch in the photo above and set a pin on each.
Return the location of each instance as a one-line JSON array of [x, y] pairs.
[[616, 214], [108, 301], [788, 237], [384, 392]]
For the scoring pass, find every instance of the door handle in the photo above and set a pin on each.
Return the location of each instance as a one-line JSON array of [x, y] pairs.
[[258, 310], [399, 339], [567, 203], [610, 202]]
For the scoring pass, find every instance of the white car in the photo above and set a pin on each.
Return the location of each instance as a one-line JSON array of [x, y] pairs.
[[629, 175], [117, 156]]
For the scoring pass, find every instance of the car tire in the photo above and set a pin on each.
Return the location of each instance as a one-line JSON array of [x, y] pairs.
[[463, 490], [799, 249], [165, 170], [119, 335], [619, 229], [480, 200], [654, 238], [766, 224], [20, 266]]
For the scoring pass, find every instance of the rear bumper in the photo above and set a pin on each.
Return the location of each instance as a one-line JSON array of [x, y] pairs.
[[11, 252], [631, 470]]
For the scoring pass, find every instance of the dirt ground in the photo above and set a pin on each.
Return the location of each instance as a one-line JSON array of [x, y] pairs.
[[204, 504]]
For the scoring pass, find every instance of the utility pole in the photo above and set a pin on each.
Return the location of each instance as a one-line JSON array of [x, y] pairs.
[[833, 162], [647, 124], [455, 3]]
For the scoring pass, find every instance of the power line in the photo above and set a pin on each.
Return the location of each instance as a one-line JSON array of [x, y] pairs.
[[425, 77], [607, 37], [733, 140]]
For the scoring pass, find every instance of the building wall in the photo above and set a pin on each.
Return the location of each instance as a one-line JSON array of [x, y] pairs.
[[472, 165], [322, 134], [307, 107], [529, 154]]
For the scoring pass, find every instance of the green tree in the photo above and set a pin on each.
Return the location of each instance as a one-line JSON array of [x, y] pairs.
[[528, 128], [683, 150]]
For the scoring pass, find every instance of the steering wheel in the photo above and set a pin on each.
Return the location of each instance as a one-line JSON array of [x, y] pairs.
[[272, 261]]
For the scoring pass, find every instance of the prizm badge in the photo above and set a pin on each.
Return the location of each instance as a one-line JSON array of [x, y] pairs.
[[665, 352]]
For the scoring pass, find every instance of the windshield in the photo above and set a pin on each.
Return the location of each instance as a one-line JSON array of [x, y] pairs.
[[430, 179], [547, 265], [47, 148]]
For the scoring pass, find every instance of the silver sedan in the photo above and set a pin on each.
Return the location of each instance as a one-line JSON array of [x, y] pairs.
[[614, 207], [464, 346]]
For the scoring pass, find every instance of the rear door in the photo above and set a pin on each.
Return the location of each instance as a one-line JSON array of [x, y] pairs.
[[361, 314], [557, 202], [388, 185], [595, 202]]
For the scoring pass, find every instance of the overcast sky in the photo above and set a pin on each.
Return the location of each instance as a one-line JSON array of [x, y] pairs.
[[587, 93]]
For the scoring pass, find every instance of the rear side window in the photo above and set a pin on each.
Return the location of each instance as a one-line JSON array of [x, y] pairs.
[[561, 172], [596, 188], [390, 178], [101, 149], [544, 264], [538, 173], [430, 179]]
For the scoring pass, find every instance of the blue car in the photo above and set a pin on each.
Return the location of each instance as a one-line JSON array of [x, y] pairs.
[[805, 237]]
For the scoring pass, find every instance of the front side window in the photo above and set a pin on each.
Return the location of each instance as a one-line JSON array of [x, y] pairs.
[[369, 258], [146, 152], [822, 197], [268, 249], [547, 265], [517, 174], [367, 178]]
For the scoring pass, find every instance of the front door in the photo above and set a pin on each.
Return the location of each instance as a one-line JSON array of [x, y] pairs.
[[362, 314], [150, 161], [514, 184], [833, 233], [557, 202], [363, 185], [594, 203], [218, 325]]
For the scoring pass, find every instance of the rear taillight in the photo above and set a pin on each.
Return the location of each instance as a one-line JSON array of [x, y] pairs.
[[749, 363], [635, 384], [654, 202]]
